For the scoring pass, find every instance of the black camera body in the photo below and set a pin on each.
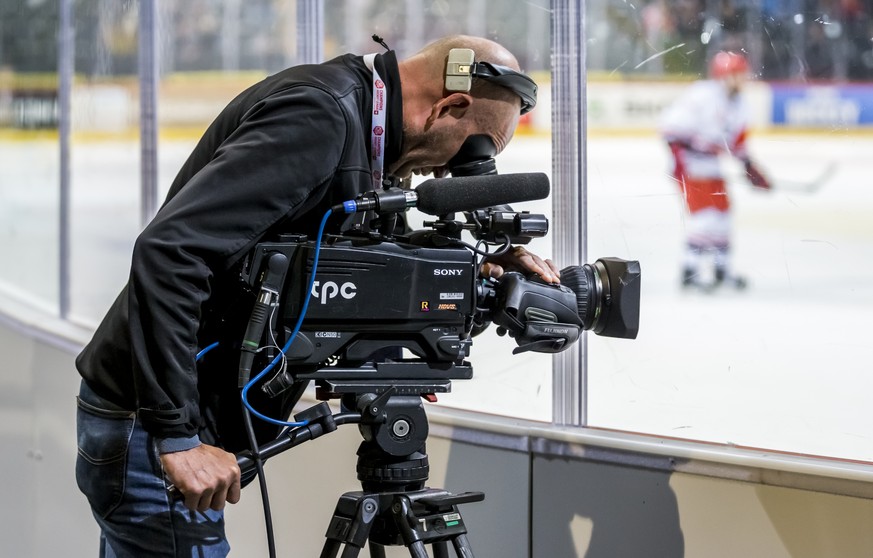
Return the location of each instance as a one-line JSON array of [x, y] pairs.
[[374, 294]]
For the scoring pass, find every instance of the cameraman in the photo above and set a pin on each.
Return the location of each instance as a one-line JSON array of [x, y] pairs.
[[275, 160]]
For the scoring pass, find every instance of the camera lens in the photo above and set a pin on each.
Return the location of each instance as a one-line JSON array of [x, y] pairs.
[[607, 296]]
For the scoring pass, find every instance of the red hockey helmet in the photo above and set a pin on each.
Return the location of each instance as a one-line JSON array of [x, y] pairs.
[[727, 63]]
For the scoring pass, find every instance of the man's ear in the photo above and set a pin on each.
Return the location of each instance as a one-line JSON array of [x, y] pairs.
[[454, 106]]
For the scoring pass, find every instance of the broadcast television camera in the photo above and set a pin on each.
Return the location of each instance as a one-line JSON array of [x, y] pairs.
[[374, 295], [376, 291]]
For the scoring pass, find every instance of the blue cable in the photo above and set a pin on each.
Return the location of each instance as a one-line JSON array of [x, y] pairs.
[[205, 350], [279, 357]]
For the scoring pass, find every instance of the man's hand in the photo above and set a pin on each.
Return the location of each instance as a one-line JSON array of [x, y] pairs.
[[519, 259], [207, 476]]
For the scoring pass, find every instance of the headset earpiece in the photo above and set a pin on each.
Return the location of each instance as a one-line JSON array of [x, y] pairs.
[[459, 68]]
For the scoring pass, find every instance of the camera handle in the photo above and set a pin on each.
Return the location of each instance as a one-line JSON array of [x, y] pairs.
[[319, 421]]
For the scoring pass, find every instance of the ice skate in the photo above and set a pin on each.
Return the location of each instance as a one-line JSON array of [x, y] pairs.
[[692, 280], [729, 281]]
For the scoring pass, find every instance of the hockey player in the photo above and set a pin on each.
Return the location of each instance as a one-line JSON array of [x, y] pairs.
[[708, 120]]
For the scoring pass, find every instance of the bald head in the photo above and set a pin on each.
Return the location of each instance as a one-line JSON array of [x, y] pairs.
[[435, 56], [486, 51], [437, 121]]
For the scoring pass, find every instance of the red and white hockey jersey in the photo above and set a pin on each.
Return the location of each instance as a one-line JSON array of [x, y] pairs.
[[704, 122]]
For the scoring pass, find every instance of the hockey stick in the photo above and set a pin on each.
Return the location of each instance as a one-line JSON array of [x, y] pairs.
[[806, 186], [799, 186]]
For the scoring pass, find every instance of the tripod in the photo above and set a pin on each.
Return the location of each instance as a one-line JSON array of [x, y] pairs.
[[394, 508]]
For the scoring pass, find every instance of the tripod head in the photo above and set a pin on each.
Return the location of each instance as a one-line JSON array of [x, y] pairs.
[[392, 455], [390, 417]]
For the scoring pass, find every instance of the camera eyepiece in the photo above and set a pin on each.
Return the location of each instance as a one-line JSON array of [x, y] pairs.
[[475, 157]]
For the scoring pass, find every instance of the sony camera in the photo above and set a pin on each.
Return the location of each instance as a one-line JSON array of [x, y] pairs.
[[420, 294]]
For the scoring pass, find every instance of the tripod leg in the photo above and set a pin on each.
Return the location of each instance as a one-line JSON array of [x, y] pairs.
[[462, 546], [417, 550], [404, 519], [330, 549], [440, 550], [376, 550], [353, 530]]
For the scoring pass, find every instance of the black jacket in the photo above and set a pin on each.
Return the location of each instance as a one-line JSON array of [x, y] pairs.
[[275, 159]]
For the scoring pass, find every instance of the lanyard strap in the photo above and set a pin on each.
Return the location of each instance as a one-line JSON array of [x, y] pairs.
[[377, 132]]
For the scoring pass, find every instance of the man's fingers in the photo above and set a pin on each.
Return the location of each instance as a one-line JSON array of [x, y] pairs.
[[548, 272], [531, 262], [214, 496], [225, 486], [207, 476], [192, 500], [519, 259], [234, 488], [492, 270], [227, 490], [219, 499], [206, 501], [554, 269], [233, 495]]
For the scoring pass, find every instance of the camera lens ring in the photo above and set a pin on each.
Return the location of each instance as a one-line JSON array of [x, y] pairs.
[[598, 293], [585, 283], [601, 286]]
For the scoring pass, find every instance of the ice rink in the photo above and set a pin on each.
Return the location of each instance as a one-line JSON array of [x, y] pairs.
[[784, 365]]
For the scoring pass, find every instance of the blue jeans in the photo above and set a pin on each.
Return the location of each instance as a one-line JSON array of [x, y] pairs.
[[119, 471]]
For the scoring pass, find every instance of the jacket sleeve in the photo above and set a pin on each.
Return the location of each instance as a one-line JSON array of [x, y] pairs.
[[285, 149]]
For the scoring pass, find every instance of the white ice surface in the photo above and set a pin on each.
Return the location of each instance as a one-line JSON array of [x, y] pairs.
[[785, 364]]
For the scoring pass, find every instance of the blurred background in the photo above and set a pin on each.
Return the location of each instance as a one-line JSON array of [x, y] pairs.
[[101, 102]]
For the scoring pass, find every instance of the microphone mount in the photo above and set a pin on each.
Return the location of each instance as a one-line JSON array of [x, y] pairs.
[[390, 200]]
